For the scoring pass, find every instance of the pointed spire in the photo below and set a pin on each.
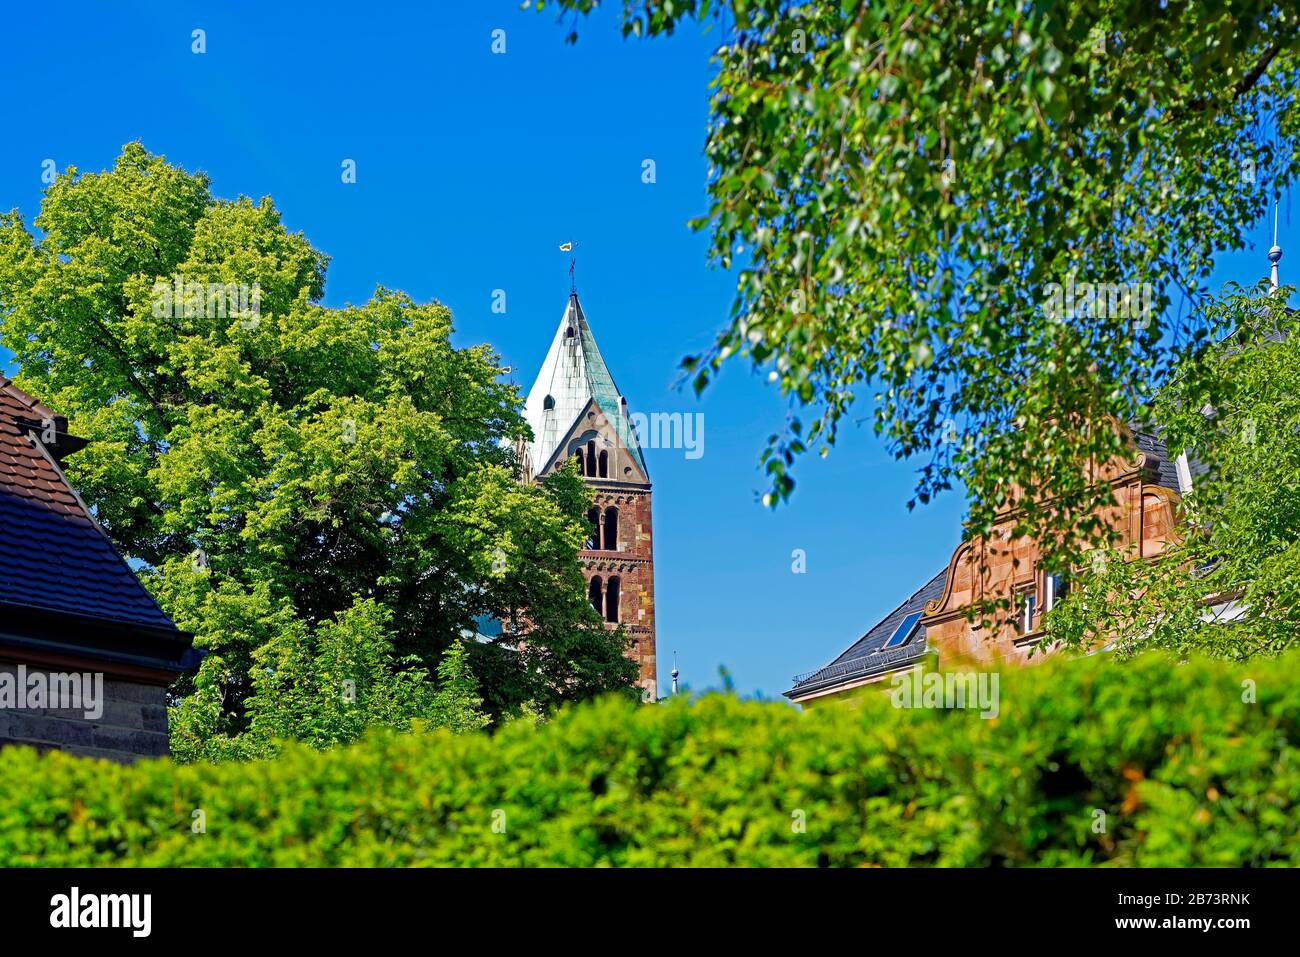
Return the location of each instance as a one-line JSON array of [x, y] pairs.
[[1275, 253], [572, 374], [675, 673]]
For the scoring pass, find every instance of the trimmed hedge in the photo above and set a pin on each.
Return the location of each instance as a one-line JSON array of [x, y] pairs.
[[1185, 771]]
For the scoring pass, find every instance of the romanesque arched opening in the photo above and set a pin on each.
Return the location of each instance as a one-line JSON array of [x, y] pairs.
[[611, 529], [611, 599]]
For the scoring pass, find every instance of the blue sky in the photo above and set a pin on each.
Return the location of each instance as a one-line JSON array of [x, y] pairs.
[[471, 168]]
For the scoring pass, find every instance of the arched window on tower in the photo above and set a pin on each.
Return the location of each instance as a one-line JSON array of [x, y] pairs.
[[591, 459], [611, 529], [593, 516], [593, 593], [548, 403], [603, 462], [582, 465], [611, 599]]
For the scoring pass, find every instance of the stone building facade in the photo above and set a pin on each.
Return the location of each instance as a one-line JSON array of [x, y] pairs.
[[931, 626]]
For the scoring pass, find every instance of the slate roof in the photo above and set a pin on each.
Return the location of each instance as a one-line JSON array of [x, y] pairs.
[[867, 655], [54, 557], [1153, 444], [572, 374]]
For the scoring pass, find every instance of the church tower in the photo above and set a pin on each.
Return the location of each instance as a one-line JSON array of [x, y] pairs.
[[576, 412]]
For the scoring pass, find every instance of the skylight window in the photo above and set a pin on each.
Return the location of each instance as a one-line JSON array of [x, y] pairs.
[[904, 631]]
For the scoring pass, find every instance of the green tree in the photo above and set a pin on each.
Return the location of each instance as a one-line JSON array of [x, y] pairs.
[[903, 187], [1235, 405], [456, 704], [297, 481]]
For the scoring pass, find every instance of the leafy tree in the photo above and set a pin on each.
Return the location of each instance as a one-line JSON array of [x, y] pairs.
[[302, 484], [902, 183], [1236, 405], [456, 704], [330, 686]]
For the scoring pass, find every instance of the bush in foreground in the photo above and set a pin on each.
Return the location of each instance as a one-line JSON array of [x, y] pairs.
[[1182, 764]]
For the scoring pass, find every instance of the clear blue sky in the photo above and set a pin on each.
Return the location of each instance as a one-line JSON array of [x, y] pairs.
[[471, 168]]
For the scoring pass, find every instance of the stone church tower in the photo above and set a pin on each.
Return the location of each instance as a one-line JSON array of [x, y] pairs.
[[576, 412]]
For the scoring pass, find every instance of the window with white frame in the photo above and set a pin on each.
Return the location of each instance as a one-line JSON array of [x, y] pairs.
[[1056, 587], [1026, 608]]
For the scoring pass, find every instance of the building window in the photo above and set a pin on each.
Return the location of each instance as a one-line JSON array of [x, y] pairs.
[[593, 593], [903, 633], [611, 599], [611, 529], [593, 516], [1057, 587], [591, 459], [1026, 609], [581, 466], [548, 403], [604, 464]]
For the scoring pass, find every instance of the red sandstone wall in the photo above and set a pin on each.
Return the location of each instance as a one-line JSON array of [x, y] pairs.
[[633, 563]]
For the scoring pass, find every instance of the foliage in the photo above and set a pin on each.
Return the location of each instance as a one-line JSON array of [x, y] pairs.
[[309, 489], [903, 182], [1154, 764], [1236, 406], [456, 704], [329, 688]]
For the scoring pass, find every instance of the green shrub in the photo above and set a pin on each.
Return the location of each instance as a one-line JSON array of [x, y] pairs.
[[1185, 771]]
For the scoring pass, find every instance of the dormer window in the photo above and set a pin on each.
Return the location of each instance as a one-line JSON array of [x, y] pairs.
[[570, 332], [548, 403]]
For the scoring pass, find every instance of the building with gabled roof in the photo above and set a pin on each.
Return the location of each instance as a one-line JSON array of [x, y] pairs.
[[71, 605], [576, 413], [932, 626]]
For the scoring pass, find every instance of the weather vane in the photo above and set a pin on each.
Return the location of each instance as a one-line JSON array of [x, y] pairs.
[[569, 247]]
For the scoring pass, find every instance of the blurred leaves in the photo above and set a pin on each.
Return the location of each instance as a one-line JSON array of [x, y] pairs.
[[1186, 773]]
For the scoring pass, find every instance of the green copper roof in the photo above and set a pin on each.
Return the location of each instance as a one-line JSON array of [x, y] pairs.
[[573, 373]]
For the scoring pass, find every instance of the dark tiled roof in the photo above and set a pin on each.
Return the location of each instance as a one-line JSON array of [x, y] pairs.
[[53, 555], [867, 654]]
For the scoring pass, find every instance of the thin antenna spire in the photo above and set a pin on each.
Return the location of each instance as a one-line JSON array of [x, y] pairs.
[[1275, 253], [675, 673]]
